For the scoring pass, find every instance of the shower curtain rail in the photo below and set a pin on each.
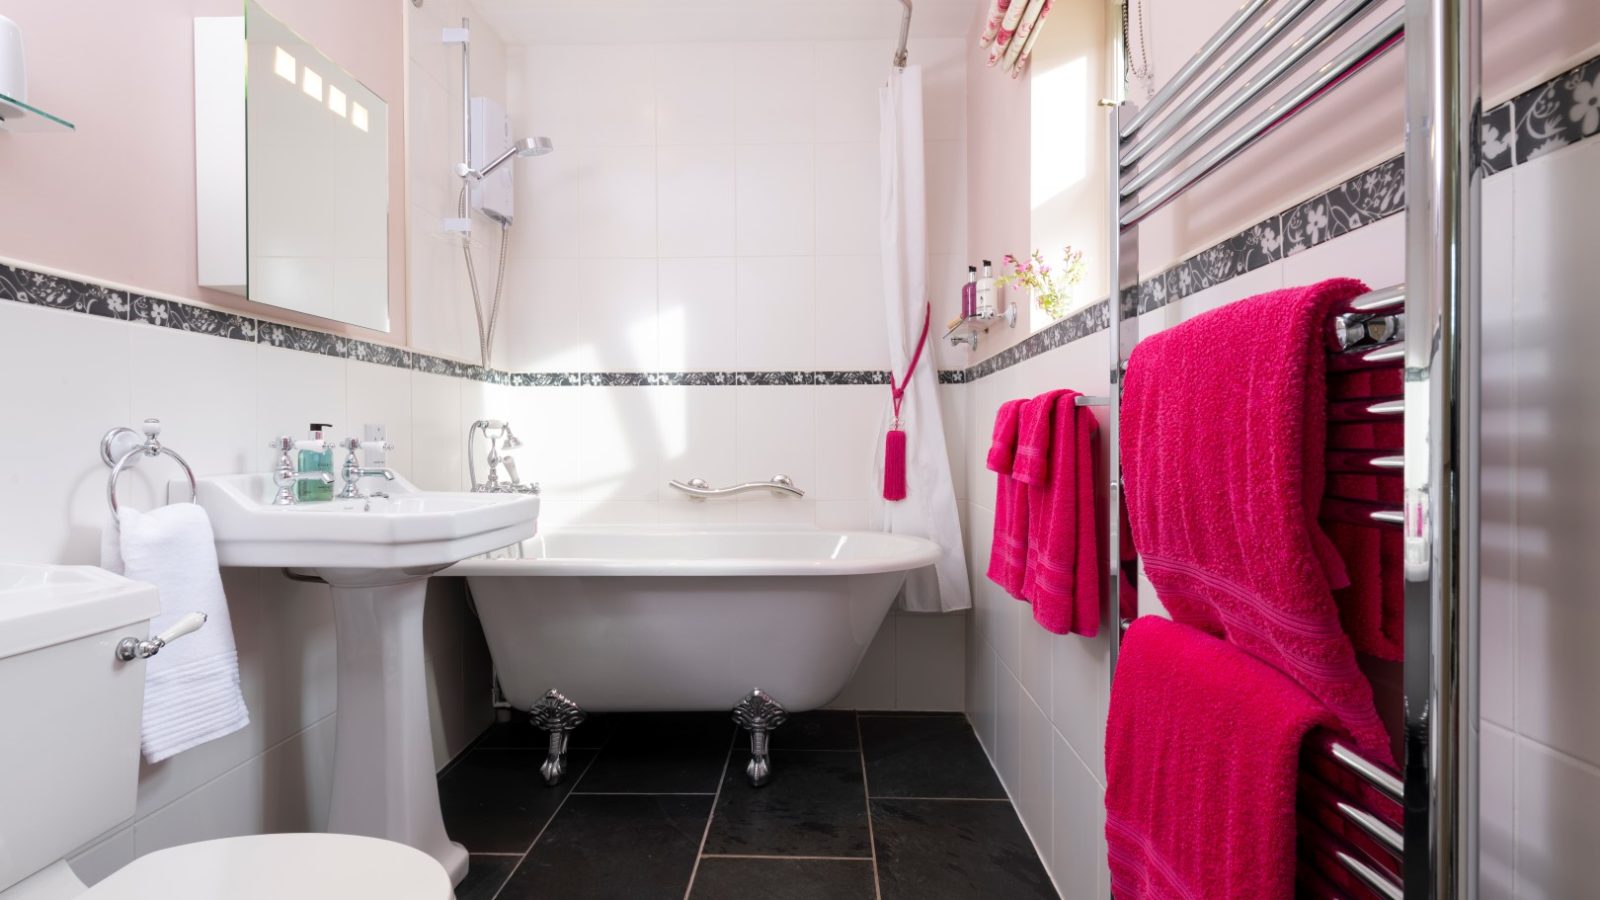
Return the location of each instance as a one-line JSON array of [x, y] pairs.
[[1429, 326]]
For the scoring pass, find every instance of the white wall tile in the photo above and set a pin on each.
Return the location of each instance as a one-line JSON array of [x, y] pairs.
[[619, 94], [622, 444], [381, 395], [699, 431], [617, 325], [851, 323], [696, 314], [1078, 846], [982, 701], [775, 318], [1558, 816], [696, 197], [438, 433], [773, 89], [694, 95], [1033, 793], [777, 433], [848, 421], [776, 206], [1007, 754], [542, 314], [95, 862], [1496, 813], [617, 213], [847, 198], [849, 74], [946, 174], [548, 196]]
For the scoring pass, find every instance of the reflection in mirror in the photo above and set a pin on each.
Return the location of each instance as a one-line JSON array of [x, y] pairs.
[[293, 173]]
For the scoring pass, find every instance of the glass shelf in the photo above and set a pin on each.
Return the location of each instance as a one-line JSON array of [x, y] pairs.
[[967, 330], [18, 116]]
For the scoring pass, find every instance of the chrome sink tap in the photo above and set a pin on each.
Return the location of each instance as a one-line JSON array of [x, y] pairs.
[[500, 438], [352, 472], [285, 475]]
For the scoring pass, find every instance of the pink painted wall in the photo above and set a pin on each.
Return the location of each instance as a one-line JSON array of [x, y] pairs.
[[998, 153], [115, 200]]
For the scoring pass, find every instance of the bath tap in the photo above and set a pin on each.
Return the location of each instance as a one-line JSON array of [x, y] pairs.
[[498, 433]]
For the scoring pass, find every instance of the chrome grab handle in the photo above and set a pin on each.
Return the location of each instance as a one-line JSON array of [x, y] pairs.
[[699, 489], [131, 648]]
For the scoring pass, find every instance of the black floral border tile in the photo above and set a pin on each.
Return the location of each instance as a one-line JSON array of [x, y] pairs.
[[195, 319], [1558, 113], [59, 292], [1497, 140], [290, 337], [1375, 194], [1306, 224]]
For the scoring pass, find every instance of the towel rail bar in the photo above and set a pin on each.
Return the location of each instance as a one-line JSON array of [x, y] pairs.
[[1365, 462], [1360, 512], [1202, 58], [1276, 72], [1366, 409], [1380, 883], [1379, 830]]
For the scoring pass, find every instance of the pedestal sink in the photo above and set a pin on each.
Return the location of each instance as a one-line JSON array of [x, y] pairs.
[[376, 555]]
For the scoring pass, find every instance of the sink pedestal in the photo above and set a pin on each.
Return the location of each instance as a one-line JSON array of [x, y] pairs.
[[384, 782]]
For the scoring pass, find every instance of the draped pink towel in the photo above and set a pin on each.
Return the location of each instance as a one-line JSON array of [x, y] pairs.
[[1008, 549], [1224, 420], [1202, 764], [1062, 579]]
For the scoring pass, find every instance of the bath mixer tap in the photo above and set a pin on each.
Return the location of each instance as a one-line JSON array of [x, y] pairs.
[[285, 475], [353, 471], [498, 434]]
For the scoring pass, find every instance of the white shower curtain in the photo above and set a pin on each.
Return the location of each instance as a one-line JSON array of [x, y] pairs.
[[929, 509]]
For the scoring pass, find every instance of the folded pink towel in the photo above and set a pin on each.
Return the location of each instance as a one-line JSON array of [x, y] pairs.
[[1202, 763], [1224, 420], [1035, 428], [1062, 580], [1009, 547]]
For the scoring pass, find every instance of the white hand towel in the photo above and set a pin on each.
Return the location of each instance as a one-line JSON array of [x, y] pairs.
[[191, 692]]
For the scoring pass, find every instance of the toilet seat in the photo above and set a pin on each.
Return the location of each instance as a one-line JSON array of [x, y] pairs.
[[278, 866]]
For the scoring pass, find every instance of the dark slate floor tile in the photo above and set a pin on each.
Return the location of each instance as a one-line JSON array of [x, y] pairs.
[[955, 850], [926, 756], [614, 848], [519, 732], [495, 801], [485, 875], [815, 805], [821, 729], [783, 879], [662, 753]]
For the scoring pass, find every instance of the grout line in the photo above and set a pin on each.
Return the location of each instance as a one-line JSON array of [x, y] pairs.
[[547, 822], [711, 816], [872, 834], [644, 793], [774, 856], [950, 799], [470, 853]]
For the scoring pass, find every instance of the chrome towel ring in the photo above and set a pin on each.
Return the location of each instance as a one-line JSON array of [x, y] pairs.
[[121, 449]]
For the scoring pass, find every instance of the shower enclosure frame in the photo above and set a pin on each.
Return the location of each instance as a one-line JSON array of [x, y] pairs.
[[1439, 518]]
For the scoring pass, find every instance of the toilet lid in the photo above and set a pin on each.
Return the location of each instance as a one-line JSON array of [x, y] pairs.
[[278, 866]]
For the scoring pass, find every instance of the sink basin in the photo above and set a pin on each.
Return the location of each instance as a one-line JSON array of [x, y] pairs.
[[376, 555], [411, 529]]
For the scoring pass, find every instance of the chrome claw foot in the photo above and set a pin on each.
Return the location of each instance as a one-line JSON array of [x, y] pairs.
[[558, 716], [759, 714]]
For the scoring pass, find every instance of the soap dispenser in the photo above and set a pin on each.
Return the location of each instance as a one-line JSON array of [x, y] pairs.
[[316, 455], [988, 303]]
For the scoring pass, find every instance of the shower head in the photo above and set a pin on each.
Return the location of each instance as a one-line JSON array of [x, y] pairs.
[[534, 146]]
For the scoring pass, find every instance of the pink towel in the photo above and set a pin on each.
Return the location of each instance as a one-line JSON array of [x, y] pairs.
[[1202, 763], [1062, 580], [1035, 428], [1008, 549], [1373, 606], [1224, 421]]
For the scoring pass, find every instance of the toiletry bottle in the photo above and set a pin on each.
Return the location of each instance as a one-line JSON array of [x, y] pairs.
[[969, 294], [313, 459], [987, 307]]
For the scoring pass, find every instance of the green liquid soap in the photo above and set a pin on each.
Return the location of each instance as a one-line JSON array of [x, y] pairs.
[[315, 461]]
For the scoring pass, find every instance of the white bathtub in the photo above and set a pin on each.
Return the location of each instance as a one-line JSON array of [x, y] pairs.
[[634, 620]]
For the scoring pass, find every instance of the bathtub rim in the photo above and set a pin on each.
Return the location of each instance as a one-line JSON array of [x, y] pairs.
[[913, 553]]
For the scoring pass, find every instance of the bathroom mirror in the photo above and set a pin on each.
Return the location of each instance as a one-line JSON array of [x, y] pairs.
[[292, 181]]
